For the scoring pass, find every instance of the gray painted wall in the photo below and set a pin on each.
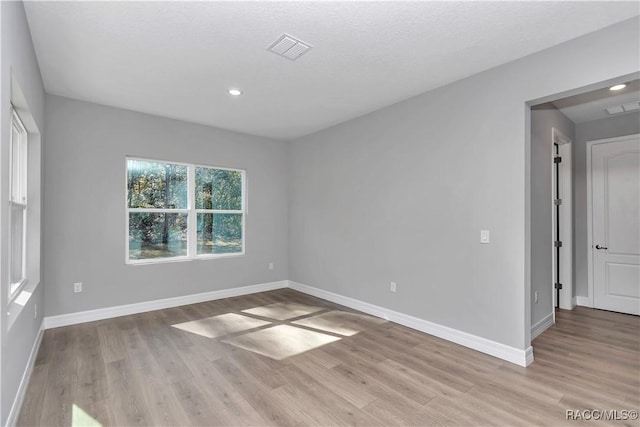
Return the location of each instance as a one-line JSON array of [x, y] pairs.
[[17, 58], [611, 127], [85, 206], [543, 119], [402, 193]]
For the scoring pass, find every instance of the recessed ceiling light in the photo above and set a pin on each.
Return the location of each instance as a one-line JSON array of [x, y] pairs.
[[618, 87], [235, 92]]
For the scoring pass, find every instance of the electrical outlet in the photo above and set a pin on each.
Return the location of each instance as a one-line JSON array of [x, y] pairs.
[[392, 286], [485, 236], [535, 297], [270, 266], [77, 287]]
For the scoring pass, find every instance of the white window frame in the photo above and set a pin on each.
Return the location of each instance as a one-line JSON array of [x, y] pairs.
[[18, 196], [191, 211]]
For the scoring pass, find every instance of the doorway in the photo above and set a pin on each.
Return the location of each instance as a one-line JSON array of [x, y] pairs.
[[613, 179], [562, 221], [559, 248]]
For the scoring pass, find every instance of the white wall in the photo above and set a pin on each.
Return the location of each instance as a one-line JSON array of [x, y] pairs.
[[402, 193], [18, 63], [611, 127], [85, 206]]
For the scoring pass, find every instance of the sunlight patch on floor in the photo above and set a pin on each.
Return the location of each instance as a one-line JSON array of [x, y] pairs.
[[340, 322], [283, 310], [224, 324], [79, 418], [280, 342]]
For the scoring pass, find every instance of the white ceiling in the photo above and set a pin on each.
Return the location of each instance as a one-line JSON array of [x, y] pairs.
[[177, 59], [591, 105]]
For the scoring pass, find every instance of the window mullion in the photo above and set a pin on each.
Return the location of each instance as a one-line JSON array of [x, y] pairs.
[[192, 233], [157, 210], [243, 174], [219, 211]]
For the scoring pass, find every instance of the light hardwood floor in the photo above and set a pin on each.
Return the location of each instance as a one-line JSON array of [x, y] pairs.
[[206, 364]]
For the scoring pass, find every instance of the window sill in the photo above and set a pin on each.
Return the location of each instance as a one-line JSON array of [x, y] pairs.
[[183, 259], [20, 302], [16, 290]]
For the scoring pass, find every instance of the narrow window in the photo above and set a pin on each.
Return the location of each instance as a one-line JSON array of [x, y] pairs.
[[17, 205]]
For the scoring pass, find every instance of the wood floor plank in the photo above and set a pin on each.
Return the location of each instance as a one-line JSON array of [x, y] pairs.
[[164, 405], [344, 388], [541, 411], [92, 388], [394, 413], [128, 394], [195, 403], [412, 379], [111, 342], [448, 407], [142, 370], [480, 408], [296, 403], [254, 393], [46, 348], [34, 397], [166, 355], [316, 393], [223, 398], [384, 392], [62, 379]]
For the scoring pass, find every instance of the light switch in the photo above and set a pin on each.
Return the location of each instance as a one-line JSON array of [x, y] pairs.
[[484, 236]]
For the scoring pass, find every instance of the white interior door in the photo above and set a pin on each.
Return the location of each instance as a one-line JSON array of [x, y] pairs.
[[615, 184]]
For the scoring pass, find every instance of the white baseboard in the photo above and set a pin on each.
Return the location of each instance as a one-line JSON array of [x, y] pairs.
[[584, 301], [493, 348], [142, 307], [12, 419], [565, 306], [528, 356], [542, 326]]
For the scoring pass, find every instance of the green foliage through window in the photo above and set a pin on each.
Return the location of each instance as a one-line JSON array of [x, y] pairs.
[[219, 233], [156, 185], [218, 189], [159, 210]]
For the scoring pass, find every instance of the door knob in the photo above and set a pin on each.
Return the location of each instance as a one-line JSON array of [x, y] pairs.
[[601, 247]]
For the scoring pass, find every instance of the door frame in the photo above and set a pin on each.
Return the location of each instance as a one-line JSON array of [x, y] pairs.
[[567, 300], [588, 301]]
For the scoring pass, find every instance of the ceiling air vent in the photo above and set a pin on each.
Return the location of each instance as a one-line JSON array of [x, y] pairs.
[[289, 47], [625, 108]]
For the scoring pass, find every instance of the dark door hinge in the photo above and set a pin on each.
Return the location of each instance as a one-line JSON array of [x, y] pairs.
[[557, 159], [557, 244]]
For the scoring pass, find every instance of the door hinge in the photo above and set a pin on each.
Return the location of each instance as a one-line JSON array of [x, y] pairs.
[[557, 244], [557, 159], [557, 202], [558, 285]]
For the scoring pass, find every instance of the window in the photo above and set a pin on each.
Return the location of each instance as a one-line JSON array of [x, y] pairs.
[[180, 211], [17, 205]]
